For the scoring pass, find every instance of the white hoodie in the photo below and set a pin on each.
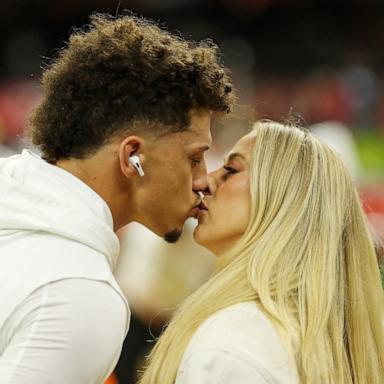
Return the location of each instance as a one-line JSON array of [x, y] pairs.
[[52, 227]]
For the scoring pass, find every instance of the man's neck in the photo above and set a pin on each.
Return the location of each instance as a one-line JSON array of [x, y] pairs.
[[100, 175]]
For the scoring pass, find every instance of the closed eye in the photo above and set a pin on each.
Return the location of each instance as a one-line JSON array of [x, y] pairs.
[[196, 162], [229, 171]]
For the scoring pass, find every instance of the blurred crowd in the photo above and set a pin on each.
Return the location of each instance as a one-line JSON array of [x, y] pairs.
[[322, 64]]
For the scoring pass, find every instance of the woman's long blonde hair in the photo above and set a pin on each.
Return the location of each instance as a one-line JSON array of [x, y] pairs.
[[307, 258]]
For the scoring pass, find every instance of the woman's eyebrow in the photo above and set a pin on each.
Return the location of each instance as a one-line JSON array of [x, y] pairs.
[[233, 156]]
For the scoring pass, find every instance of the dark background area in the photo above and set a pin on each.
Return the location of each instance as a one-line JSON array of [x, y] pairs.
[[289, 38]]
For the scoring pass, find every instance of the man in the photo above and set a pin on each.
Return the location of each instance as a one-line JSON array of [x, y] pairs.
[[122, 130]]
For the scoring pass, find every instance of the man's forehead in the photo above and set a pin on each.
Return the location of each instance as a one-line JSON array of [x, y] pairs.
[[198, 135], [195, 142], [200, 123], [197, 138]]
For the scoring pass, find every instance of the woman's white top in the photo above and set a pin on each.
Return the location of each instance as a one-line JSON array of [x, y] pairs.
[[55, 231], [237, 345]]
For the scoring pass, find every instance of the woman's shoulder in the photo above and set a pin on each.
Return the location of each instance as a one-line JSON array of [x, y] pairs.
[[238, 325], [243, 333]]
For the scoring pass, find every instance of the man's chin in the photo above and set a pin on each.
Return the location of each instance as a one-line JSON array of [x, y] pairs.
[[173, 236]]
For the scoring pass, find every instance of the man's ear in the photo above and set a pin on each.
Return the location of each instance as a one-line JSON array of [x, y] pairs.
[[131, 145]]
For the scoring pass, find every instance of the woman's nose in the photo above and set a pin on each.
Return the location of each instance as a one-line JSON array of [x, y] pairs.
[[212, 182]]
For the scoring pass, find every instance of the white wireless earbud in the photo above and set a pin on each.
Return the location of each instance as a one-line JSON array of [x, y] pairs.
[[135, 161]]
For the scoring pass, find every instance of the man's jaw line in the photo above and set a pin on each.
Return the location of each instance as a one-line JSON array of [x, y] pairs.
[[174, 235]]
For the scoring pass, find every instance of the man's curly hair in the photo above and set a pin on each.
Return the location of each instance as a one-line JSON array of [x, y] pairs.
[[120, 73]]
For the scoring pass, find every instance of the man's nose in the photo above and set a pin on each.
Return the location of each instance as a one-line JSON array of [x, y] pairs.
[[207, 184], [200, 183]]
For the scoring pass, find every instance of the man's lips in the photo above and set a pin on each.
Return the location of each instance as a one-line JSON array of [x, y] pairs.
[[200, 207], [203, 206], [201, 210]]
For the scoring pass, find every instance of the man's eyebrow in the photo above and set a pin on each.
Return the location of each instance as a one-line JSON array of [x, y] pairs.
[[201, 148], [233, 156]]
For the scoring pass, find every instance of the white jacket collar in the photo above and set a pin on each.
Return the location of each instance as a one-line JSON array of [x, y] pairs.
[[38, 196]]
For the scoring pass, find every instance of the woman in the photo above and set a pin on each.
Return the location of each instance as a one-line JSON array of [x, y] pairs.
[[297, 296]]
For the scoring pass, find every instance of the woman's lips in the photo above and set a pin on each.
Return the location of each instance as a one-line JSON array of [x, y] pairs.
[[202, 210], [203, 206]]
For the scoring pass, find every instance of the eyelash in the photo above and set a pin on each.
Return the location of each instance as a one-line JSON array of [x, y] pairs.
[[230, 171], [196, 162]]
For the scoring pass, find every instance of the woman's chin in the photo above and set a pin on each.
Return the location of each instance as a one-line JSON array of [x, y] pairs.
[[199, 234]]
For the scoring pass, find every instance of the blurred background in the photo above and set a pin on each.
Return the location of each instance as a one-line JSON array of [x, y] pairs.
[[320, 60]]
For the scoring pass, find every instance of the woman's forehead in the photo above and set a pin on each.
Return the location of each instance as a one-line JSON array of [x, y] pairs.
[[244, 145]]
